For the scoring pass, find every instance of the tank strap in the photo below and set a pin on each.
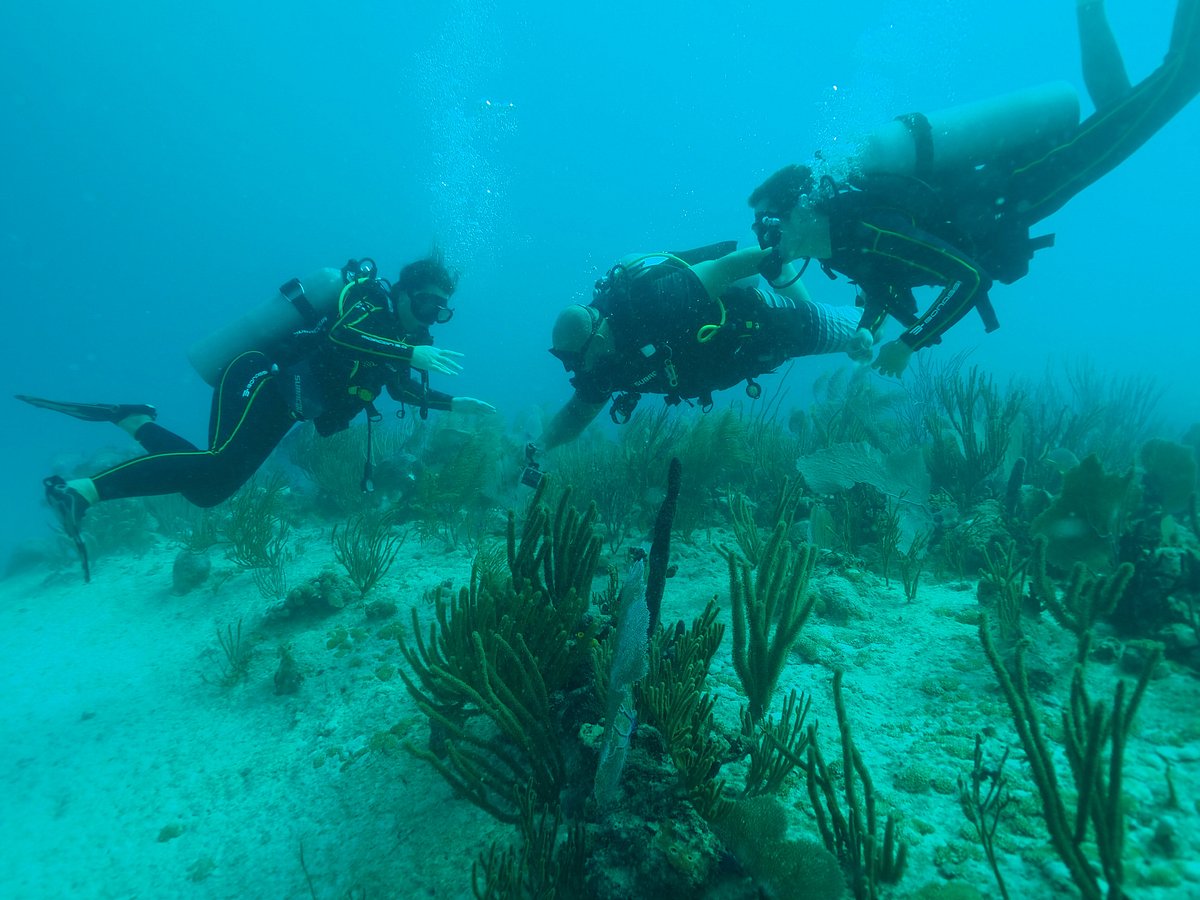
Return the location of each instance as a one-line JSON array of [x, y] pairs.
[[922, 134], [293, 293], [988, 313], [1041, 242]]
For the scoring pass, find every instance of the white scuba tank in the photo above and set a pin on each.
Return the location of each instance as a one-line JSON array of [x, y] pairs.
[[1006, 127], [263, 326]]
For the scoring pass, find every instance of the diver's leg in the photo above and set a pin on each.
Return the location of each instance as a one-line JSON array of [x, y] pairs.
[[1103, 68], [152, 436], [1185, 38], [1110, 135], [155, 438], [71, 499], [250, 418]]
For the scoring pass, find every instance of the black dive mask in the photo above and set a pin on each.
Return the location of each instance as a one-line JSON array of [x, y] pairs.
[[769, 231], [571, 359], [355, 269], [430, 309]]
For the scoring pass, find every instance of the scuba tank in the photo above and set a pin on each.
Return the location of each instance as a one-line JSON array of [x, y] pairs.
[[1010, 127], [296, 305]]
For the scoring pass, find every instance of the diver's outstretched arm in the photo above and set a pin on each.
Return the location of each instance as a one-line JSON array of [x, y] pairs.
[[569, 422], [718, 275]]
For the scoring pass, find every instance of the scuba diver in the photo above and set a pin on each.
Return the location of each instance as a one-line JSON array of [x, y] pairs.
[[685, 325], [947, 200], [321, 350]]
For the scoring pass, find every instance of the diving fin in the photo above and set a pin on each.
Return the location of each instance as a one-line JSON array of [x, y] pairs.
[[69, 506], [92, 412]]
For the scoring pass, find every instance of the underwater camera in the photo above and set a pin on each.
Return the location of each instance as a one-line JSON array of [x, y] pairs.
[[532, 474]]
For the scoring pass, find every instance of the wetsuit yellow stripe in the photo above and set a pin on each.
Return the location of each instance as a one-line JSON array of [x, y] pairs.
[[1176, 65], [213, 451], [242, 419], [402, 352], [941, 276]]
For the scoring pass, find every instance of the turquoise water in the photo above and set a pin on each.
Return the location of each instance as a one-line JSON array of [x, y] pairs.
[[164, 168]]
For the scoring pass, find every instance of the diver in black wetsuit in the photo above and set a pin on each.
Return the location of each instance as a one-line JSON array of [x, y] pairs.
[[686, 325], [889, 241], [327, 372]]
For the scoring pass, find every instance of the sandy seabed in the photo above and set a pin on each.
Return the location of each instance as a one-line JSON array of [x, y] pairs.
[[128, 771]]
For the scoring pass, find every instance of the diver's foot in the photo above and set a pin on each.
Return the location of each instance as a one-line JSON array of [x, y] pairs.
[[69, 506], [93, 412]]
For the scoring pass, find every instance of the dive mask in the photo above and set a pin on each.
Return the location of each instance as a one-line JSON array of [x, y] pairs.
[[429, 308], [769, 230]]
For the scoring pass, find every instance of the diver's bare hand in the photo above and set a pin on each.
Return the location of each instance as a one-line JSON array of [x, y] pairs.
[[860, 346], [433, 359], [893, 358], [471, 406]]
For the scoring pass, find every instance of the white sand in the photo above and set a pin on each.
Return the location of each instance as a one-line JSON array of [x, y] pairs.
[[112, 735]]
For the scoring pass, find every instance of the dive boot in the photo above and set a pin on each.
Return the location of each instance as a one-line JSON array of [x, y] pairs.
[[69, 506], [92, 412]]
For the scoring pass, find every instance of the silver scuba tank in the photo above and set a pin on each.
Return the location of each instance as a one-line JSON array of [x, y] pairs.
[[1013, 126], [271, 321]]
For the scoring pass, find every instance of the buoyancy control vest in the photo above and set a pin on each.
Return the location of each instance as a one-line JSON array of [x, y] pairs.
[[950, 169], [671, 336], [298, 307], [964, 209]]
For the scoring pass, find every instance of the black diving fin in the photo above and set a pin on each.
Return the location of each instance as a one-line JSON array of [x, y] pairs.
[[92, 412], [69, 506]]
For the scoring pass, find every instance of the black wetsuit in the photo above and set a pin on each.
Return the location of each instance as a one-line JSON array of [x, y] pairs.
[[886, 246], [659, 311], [328, 374]]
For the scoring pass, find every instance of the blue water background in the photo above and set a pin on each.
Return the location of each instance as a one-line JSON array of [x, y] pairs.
[[165, 165]]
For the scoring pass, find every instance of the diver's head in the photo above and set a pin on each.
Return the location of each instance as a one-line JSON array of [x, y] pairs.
[[782, 192], [423, 290], [790, 213], [578, 337]]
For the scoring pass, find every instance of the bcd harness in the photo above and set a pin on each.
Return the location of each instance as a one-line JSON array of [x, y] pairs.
[[979, 218], [1010, 260], [616, 290], [361, 284]]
